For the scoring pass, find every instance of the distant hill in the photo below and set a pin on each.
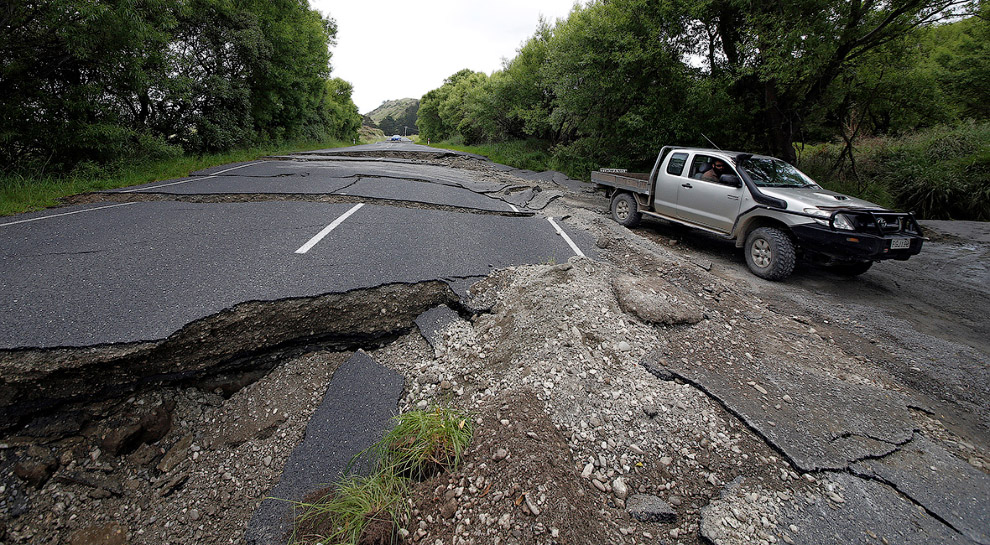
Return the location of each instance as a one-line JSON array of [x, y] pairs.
[[395, 108], [395, 116]]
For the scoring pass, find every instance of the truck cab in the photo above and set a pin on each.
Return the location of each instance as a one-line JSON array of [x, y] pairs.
[[767, 206]]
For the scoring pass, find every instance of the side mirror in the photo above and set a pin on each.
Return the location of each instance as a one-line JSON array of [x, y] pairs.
[[730, 179]]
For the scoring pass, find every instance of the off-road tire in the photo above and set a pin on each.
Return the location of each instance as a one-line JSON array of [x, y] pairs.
[[850, 268], [625, 210], [770, 253]]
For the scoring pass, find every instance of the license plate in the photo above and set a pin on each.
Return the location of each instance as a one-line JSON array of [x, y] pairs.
[[900, 244]]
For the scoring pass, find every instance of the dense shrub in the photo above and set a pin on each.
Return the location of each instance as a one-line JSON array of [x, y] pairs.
[[938, 173]]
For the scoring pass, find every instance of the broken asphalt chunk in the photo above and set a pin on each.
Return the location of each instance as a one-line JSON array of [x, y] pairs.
[[357, 408]]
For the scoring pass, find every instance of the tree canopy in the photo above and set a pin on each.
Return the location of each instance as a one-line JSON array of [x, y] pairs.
[[618, 78], [100, 81]]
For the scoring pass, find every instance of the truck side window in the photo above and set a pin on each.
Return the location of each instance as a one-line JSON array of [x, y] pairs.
[[701, 164], [676, 164]]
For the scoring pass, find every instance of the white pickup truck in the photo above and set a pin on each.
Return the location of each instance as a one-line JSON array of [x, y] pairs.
[[766, 206]]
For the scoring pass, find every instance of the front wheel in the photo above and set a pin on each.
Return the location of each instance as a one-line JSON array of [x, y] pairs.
[[624, 210], [770, 253]]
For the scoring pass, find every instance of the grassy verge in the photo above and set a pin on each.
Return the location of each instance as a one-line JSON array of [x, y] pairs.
[[525, 154], [370, 509], [25, 193]]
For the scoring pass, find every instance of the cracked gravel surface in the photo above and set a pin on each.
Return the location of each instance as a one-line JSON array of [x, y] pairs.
[[658, 374]]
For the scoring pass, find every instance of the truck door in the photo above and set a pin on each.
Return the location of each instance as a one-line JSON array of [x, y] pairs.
[[705, 201], [668, 180]]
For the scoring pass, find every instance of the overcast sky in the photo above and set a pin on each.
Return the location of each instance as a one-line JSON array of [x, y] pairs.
[[391, 49]]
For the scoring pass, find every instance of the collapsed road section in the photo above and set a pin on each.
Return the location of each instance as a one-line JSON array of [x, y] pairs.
[[146, 292]]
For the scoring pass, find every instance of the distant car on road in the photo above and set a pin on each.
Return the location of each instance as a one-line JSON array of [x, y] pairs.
[[395, 138]]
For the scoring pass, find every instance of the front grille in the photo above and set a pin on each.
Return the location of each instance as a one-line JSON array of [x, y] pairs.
[[885, 223]]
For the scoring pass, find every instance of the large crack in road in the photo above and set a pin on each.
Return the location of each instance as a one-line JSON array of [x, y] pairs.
[[230, 343]]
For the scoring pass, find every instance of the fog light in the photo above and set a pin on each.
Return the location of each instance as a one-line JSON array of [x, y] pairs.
[[852, 239]]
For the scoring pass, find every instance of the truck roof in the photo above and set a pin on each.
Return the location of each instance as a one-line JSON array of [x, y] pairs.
[[727, 153]]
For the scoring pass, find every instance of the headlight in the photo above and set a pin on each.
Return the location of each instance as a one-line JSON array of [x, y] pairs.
[[841, 221]]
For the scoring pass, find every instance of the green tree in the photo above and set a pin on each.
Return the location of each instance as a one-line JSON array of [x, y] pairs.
[[116, 79], [785, 55]]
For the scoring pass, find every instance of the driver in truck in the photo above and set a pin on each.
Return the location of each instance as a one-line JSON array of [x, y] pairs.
[[718, 169]]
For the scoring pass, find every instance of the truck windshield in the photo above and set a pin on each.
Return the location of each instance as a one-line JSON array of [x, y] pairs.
[[767, 172]]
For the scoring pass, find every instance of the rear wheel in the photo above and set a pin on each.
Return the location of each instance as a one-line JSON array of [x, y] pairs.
[[851, 268], [770, 253], [624, 210]]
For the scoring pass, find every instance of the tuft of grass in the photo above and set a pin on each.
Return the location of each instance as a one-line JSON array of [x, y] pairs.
[[369, 509], [26, 192], [424, 443], [349, 509]]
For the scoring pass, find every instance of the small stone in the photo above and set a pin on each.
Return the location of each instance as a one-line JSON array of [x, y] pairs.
[[758, 387], [267, 461], [122, 439], [445, 385], [623, 346], [588, 469], [175, 455], [144, 455], [619, 488], [531, 505], [448, 509], [787, 398], [500, 454], [836, 498], [36, 473], [194, 514]]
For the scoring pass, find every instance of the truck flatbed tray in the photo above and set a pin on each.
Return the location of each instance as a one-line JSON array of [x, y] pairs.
[[637, 182]]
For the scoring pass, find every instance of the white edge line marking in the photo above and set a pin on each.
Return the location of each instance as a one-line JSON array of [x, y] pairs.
[[566, 238], [66, 214], [193, 179], [326, 230], [513, 207]]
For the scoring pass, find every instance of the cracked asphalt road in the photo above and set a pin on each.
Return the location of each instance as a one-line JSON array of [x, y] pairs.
[[141, 271], [854, 421], [918, 330]]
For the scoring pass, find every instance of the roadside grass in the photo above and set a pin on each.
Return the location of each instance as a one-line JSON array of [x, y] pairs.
[[523, 154], [21, 192], [370, 509]]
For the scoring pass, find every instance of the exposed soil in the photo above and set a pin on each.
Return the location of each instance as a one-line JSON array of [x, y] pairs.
[[570, 425]]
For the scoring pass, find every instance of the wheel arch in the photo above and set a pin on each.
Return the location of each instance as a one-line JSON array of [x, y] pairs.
[[748, 225]]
